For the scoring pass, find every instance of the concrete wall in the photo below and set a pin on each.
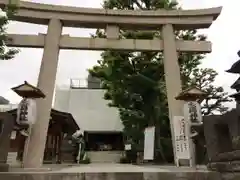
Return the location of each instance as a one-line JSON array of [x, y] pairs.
[[89, 109]]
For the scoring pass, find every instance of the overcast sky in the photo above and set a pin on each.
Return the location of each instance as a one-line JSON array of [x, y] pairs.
[[224, 34]]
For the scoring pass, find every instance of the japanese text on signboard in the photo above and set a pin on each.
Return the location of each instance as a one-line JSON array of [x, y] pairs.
[[181, 140]]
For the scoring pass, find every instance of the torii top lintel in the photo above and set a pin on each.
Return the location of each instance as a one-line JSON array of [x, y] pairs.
[[126, 19]]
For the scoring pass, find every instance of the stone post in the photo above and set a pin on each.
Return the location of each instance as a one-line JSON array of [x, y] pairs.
[[172, 76], [193, 119], [112, 32], [46, 82]]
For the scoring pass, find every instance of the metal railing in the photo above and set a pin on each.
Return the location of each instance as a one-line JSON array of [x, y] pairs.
[[84, 83]]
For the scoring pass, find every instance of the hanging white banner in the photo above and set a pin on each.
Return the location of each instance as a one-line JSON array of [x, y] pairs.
[[149, 139], [181, 138]]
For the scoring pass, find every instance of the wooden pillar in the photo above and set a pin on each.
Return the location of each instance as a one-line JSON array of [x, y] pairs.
[[60, 147]]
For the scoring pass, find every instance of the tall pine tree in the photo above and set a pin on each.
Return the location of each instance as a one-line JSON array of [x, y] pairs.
[[135, 84]]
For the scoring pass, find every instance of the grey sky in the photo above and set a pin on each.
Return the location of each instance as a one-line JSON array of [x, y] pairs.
[[73, 64]]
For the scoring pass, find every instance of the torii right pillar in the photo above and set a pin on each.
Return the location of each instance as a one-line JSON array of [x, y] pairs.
[[172, 76]]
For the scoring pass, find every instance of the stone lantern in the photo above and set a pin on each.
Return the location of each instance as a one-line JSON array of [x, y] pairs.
[[27, 107], [236, 97], [222, 133], [27, 90], [192, 120], [236, 85], [26, 112], [235, 69]]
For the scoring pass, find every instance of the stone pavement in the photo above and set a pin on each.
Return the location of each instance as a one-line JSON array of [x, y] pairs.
[[99, 171], [103, 167], [107, 167]]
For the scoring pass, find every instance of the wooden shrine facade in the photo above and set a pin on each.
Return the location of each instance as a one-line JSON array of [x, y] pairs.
[[61, 126]]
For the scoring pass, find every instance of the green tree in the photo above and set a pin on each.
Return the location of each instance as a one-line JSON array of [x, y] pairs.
[[135, 84], [6, 15], [214, 103]]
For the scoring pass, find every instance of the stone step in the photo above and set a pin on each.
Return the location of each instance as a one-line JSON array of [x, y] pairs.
[[113, 176], [112, 172], [104, 156], [12, 158]]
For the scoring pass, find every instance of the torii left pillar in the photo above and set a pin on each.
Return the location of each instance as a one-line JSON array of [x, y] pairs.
[[46, 82]]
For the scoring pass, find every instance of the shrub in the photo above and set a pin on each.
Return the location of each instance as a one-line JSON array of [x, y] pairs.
[[87, 160], [124, 160]]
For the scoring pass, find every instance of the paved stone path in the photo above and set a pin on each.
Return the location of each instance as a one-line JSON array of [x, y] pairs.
[[111, 172], [108, 167], [127, 168]]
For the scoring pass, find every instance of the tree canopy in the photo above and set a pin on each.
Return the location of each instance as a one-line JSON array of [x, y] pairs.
[[135, 83], [6, 14]]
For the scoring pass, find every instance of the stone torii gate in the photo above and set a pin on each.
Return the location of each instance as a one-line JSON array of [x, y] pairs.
[[112, 20]]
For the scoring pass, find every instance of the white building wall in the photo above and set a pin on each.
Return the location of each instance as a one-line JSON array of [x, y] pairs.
[[89, 109], [61, 99]]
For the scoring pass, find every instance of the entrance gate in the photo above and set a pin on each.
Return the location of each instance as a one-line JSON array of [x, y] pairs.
[[112, 20]]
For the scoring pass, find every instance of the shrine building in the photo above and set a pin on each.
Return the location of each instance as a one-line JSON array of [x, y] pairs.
[[101, 124]]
